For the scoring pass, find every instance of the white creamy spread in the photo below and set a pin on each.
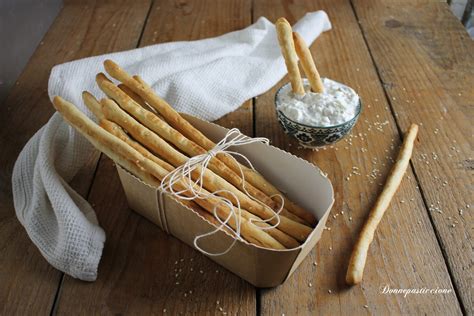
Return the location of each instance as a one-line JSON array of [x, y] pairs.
[[336, 105]]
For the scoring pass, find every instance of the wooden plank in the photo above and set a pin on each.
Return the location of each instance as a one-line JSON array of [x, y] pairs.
[[144, 270], [425, 59], [22, 38], [405, 253], [29, 283]]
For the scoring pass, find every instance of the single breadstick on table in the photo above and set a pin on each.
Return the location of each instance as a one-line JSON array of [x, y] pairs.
[[359, 254], [211, 182], [307, 63], [128, 157], [156, 124], [285, 39], [177, 121]]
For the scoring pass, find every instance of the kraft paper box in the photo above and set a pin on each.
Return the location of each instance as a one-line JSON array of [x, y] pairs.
[[301, 181]]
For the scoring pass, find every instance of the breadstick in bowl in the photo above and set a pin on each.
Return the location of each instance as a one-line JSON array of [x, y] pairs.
[[285, 38], [359, 254], [307, 63]]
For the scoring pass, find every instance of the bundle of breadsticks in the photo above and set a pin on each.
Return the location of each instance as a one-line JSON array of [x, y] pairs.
[[293, 47], [143, 134]]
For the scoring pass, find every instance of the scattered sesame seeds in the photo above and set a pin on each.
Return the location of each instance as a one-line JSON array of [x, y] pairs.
[[310, 284], [329, 291]]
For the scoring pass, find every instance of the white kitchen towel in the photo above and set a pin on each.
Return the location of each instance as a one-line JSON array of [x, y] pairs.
[[207, 78]]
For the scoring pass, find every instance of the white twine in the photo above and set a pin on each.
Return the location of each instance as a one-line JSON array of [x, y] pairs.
[[194, 189]]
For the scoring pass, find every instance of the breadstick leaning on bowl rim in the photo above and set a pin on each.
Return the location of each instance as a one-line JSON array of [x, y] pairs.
[[179, 123], [359, 253], [129, 158], [307, 63], [285, 39]]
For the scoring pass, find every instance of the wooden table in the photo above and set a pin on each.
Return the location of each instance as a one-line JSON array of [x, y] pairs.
[[411, 61]]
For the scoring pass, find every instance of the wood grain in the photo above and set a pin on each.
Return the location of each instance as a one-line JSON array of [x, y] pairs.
[[29, 283], [425, 59], [405, 252], [144, 270]]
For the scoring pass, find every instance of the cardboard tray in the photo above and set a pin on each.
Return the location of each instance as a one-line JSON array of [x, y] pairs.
[[301, 181]]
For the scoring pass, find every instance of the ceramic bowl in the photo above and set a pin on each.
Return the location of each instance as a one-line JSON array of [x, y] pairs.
[[314, 136]]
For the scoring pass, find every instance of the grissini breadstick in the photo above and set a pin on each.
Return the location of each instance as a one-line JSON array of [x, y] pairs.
[[177, 121], [359, 254], [138, 99], [117, 131], [307, 63], [157, 125], [122, 153], [285, 239], [212, 181], [96, 108], [285, 39], [92, 104]]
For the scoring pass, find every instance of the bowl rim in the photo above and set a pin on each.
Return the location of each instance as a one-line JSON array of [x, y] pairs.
[[359, 109]]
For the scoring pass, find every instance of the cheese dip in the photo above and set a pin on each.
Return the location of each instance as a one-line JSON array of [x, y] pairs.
[[336, 105]]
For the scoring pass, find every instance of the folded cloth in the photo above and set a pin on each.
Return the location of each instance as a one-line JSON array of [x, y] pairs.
[[206, 78]]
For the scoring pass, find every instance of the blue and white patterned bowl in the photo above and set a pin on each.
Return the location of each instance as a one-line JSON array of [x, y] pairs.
[[314, 136]]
